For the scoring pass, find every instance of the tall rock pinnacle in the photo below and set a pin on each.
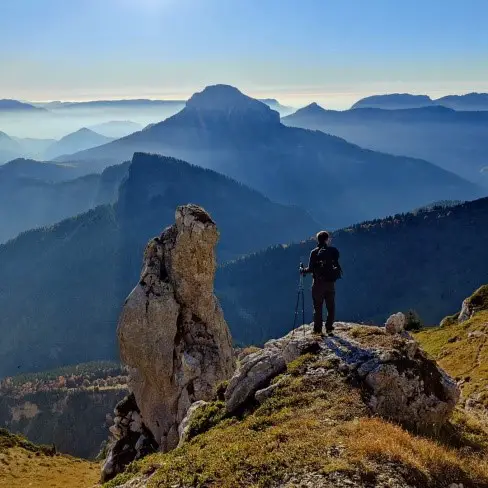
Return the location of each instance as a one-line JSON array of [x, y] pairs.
[[172, 333]]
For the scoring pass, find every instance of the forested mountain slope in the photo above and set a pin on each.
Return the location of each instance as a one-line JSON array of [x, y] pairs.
[[61, 287], [428, 261], [35, 194]]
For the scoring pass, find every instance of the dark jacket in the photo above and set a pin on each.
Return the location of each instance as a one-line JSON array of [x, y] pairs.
[[333, 253]]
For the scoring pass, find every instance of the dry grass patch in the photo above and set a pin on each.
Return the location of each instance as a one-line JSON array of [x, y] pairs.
[[314, 422], [20, 468], [430, 463]]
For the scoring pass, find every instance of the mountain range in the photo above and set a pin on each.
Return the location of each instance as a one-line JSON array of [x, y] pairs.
[[428, 261], [77, 141], [47, 149], [61, 287], [394, 101], [453, 140], [8, 105], [35, 194], [224, 130], [116, 128]]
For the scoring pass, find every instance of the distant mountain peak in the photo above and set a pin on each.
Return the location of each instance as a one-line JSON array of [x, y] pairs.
[[392, 101], [83, 133], [8, 104], [228, 101], [312, 108], [84, 130]]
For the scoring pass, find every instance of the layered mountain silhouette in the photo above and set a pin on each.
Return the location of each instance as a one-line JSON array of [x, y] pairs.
[[47, 171], [9, 148], [427, 261], [74, 142], [395, 101], [8, 105], [222, 129], [470, 101], [35, 194], [14, 147], [120, 104], [276, 105], [80, 270], [456, 141], [116, 128]]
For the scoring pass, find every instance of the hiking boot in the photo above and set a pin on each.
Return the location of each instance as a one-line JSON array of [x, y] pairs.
[[330, 331]]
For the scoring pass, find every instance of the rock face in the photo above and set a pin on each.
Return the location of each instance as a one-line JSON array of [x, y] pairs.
[[172, 333], [466, 311], [131, 439], [400, 381]]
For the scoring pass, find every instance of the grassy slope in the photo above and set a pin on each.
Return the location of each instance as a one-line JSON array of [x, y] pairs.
[[318, 423], [462, 348], [25, 464]]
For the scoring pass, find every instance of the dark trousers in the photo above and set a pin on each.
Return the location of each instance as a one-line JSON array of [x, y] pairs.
[[323, 291]]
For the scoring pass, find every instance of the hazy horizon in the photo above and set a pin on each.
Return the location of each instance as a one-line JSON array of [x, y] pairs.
[[341, 101], [333, 53]]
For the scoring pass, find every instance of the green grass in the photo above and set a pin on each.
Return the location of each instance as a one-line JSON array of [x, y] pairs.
[[307, 417], [463, 356]]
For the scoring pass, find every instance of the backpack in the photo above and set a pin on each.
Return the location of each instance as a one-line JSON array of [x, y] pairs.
[[327, 267]]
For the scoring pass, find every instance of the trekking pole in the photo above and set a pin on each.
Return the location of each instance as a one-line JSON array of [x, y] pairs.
[[300, 297], [303, 297]]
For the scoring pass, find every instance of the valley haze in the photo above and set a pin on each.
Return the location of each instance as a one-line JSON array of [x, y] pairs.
[[167, 170]]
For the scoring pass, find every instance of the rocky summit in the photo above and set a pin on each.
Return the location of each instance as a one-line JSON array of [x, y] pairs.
[[172, 335], [397, 378], [363, 407], [345, 410]]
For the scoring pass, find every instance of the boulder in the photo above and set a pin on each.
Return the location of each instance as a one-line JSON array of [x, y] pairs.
[[255, 372], [395, 323], [186, 422], [172, 333]]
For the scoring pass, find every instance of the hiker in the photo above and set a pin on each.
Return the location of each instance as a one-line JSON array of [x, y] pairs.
[[326, 270]]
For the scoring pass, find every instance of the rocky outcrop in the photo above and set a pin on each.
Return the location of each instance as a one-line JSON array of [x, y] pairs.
[[172, 333], [400, 381], [466, 312], [477, 302], [131, 439]]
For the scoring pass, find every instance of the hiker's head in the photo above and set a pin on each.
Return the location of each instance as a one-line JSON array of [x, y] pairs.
[[322, 238]]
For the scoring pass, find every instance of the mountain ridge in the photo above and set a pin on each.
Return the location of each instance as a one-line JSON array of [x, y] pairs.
[[392, 101], [245, 140], [102, 247], [453, 140]]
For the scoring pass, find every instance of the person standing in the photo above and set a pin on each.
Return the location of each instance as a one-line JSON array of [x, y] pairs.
[[326, 270]]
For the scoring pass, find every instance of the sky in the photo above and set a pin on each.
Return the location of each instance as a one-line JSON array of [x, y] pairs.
[[330, 51]]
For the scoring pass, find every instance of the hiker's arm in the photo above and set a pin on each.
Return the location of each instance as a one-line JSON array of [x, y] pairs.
[[311, 264]]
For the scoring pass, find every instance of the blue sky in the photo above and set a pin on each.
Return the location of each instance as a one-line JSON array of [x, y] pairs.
[[330, 51]]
